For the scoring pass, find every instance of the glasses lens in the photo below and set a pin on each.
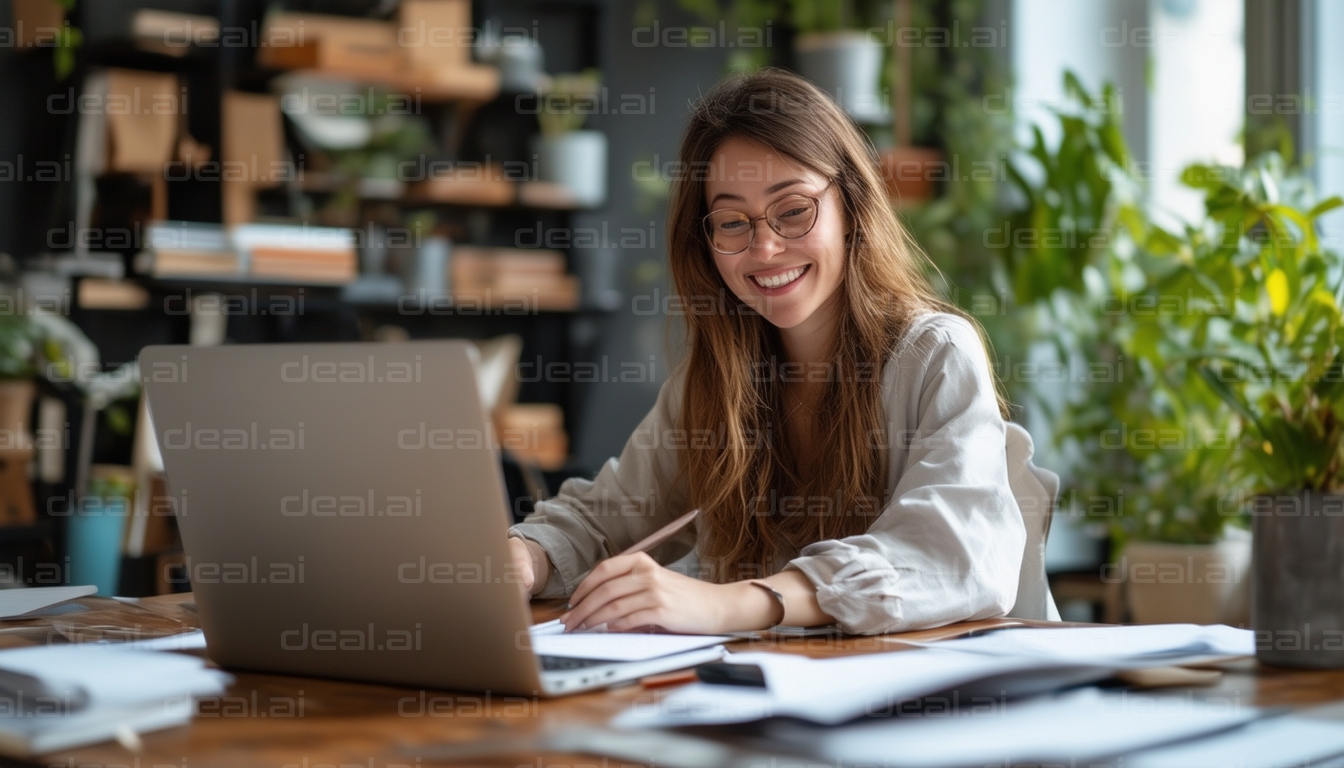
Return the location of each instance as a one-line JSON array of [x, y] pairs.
[[729, 231], [792, 216]]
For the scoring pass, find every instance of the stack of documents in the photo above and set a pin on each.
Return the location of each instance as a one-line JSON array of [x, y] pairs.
[[61, 696], [1084, 727], [550, 639], [1009, 663], [1146, 645], [830, 691], [994, 699]]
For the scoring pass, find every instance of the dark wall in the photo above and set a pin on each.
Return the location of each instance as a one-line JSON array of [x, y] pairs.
[[674, 76], [30, 134]]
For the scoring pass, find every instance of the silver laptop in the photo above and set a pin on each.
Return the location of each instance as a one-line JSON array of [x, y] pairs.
[[343, 514]]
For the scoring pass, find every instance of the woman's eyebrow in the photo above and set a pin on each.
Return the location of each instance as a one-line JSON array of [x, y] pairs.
[[773, 188]]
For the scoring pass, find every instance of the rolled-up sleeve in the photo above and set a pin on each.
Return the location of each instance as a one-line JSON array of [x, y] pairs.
[[948, 545], [631, 497]]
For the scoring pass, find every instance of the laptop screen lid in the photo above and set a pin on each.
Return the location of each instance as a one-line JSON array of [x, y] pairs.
[[342, 511]]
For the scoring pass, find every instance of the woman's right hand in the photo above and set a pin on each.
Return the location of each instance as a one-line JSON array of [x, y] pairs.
[[532, 564]]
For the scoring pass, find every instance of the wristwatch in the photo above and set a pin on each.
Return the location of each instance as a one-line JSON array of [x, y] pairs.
[[779, 598]]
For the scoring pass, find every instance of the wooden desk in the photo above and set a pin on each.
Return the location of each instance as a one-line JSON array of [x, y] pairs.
[[308, 723]]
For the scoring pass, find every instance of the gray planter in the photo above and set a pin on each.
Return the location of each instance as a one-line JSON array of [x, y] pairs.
[[847, 65], [1298, 588]]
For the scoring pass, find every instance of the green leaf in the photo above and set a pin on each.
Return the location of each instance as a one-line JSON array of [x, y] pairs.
[[1230, 396], [1325, 206], [1074, 87]]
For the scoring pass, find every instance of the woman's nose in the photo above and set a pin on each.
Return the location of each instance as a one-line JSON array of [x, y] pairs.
[[765, 242]]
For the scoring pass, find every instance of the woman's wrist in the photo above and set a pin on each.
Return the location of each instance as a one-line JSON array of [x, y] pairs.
[[541, 565], [750, 608]]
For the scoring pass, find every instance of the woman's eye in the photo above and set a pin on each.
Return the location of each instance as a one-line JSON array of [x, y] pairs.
[[794, 213], [732, 226]]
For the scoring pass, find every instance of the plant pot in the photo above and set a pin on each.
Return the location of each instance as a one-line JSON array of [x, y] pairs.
[[911, 173], [95, 533], [1188, 583], [16, 403], [37, 22], [426, 272], [577, 161], [1298, 595], [847, 65]]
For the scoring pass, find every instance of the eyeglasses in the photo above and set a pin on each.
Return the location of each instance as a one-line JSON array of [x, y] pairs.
[[791, 217]]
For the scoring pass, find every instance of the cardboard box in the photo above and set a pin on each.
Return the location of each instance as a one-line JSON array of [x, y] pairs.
[[317, 41], [436, 34], [36, 22], [253, 142], [143, 110], [533, 433], [16, 491]]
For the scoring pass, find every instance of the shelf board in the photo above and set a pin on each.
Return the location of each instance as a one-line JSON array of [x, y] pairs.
[[242, 280], [474, 89], [492, 194], [368, 189], [484, 194], [468, 304], [473, 304]]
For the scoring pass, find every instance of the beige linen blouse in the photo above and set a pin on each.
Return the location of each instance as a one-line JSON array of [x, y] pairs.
[[961, 535]]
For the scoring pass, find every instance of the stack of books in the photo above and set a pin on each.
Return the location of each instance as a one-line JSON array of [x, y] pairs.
[[191, 249], [303, 254], [530, 278], [534, 433]]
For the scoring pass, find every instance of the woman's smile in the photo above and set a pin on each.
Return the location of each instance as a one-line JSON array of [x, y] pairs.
[[773, 282]]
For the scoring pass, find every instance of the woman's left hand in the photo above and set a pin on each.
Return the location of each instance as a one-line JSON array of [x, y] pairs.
[[628, 592]]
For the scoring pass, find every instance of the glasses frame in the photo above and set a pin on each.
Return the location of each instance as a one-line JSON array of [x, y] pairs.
[[751, 222]]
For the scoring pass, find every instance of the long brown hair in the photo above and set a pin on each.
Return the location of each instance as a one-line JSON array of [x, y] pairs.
[[756, 508]]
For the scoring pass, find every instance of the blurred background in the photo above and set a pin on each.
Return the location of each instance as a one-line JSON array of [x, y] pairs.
[[1135, 197]]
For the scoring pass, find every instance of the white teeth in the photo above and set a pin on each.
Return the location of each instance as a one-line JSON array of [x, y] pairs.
[[780, 280]]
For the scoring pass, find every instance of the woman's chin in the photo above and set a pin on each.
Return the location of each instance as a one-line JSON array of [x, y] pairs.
[[780, 312], [785, 318]]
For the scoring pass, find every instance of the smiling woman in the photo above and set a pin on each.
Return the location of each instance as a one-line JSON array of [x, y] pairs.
[[862, 471]]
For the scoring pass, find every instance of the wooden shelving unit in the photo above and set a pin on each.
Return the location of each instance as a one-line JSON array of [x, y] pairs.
[[470, 91], [467, 113]]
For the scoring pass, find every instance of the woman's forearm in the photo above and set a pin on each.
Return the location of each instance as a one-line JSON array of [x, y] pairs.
[[800, 599]]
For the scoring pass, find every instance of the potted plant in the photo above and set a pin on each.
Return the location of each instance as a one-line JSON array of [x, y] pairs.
[[1277, 359], [98, 526], [567, 155], [744, 27], [910, 170], [1148, 442], [836, 49], [24, 350]]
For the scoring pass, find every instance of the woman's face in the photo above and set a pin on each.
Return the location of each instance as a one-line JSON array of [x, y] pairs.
[[790, 282]]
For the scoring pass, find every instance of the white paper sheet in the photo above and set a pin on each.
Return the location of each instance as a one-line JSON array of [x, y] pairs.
[[832, 691], [185, 641], [1143, 645], [1274, 743], [1071, 729], [617, 646], [102, 688], [113, 676], [16, 602]]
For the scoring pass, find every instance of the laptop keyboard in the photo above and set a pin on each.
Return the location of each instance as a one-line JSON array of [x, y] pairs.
[[562, 663]]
